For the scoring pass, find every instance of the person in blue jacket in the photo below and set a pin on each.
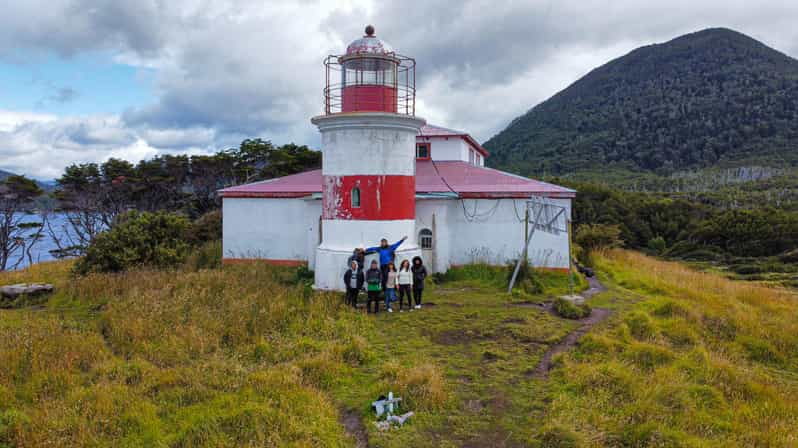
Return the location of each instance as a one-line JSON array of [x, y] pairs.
[[387, 254]]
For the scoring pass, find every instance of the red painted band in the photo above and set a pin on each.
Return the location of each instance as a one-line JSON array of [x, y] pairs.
[[382, 198], [369, 98]]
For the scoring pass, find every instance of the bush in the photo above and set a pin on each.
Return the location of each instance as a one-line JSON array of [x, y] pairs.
[[207, 227], [592, 237], [207, 256], [139, 239], [658, 245], [789, 257], [569, 310], [528, 279]]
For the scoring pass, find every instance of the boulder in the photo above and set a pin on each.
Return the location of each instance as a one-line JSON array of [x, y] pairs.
[[27, 289]]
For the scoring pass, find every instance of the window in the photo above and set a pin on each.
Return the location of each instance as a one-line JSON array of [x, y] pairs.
[[479, 160], [356, 197], [471, 156], [425, 237], [422, 151]]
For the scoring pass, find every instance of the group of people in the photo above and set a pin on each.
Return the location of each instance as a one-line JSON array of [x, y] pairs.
[[383, 279]]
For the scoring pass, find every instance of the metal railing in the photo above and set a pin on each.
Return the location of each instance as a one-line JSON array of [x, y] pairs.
[[370, 83]]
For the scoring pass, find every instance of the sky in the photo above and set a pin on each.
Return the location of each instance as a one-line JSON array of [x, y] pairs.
[[85, 80]]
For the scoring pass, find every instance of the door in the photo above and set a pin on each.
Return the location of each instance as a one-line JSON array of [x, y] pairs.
[[427, 243]]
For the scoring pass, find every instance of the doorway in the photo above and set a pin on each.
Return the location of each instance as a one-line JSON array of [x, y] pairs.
[[427, 243]]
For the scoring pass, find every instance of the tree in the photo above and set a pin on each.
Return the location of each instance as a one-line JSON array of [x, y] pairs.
[[16, 240]]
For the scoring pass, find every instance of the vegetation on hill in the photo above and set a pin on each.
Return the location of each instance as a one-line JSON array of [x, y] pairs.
[[714, 97], [755, 239], [689, 359], [250, 355]]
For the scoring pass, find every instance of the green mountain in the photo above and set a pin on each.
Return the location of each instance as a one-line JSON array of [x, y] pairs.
[[711, 99]]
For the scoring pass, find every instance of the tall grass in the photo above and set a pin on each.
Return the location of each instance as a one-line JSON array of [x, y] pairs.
[[210, 358], [694, 360]]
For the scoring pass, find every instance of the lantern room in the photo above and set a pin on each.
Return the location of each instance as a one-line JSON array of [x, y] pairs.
[[370, 77]]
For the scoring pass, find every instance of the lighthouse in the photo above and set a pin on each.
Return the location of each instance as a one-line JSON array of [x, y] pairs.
[[368, 142]]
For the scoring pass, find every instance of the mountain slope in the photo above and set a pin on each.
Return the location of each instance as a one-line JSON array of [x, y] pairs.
[[714, 97]]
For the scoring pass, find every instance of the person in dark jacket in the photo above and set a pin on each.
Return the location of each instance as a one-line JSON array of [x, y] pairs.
[[419, 274], [353, 279], [387, 254], [373, 286], [359, 255]]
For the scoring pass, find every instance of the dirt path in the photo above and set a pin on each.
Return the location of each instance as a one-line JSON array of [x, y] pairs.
[[355, 427], [598, 315]]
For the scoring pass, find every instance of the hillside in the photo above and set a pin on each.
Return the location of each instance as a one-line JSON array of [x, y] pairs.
[[250, 355], [714, 98]]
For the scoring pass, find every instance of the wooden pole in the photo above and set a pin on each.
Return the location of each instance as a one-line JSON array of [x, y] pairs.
[[570, 259], [526, 233]]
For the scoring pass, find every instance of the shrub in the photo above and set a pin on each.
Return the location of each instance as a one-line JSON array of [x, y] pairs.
[[747, 269], [569, 310], [139, 239], [789, 257], [592, 237], [206, 256], [657, 244], [207, 227]]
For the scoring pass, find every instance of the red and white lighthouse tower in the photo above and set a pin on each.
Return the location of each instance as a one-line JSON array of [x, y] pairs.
[[368, 135]]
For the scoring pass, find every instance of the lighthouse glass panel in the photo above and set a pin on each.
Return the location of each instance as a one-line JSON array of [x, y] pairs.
[[356, 197], [369, 71]]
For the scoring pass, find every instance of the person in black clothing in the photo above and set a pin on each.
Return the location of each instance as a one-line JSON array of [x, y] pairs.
[[373, 286], [353, 279], [359, 255], [419, 274]]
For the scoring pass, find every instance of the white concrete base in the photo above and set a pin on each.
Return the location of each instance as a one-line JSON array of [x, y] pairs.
[[331, 265]]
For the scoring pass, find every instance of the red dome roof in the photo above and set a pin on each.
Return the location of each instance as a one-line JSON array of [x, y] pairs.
[[369, 44]]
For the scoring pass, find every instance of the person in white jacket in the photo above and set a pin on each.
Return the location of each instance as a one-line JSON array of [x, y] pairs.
[[405, 280]]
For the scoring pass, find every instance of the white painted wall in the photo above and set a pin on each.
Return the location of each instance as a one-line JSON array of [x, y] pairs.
[[277, 229], [491, 233], [287, 229], [346, 234], [370, 144], [448, 148], [433, 214]]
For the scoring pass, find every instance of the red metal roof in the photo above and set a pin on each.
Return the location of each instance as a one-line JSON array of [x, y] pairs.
[[464, 179], [429, 130]]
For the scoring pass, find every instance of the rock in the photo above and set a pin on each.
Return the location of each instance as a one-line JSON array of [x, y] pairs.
[[400, 419], [28, 289], [575, 299]]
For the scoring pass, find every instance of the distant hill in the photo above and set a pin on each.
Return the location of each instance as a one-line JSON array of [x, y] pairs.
[[714, 98], [46, 186]]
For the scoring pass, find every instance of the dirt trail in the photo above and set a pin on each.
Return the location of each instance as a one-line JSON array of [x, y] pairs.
[[355, 427], [598, 315]]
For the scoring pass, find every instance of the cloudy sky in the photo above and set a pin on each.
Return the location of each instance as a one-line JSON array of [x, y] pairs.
[[84, 80]]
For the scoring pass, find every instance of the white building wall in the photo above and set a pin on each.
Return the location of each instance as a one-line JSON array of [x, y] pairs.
[[270, 228], [492, 231], [288, 229], [451, 148], [433, 214]]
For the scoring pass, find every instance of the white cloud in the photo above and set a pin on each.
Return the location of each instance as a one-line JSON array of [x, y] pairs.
[[228, 70]]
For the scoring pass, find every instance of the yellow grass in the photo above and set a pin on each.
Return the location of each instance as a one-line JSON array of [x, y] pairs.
[[689, 359]]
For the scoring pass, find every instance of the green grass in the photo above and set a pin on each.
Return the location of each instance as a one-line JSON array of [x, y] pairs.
[[689, 359], [245, 355]]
